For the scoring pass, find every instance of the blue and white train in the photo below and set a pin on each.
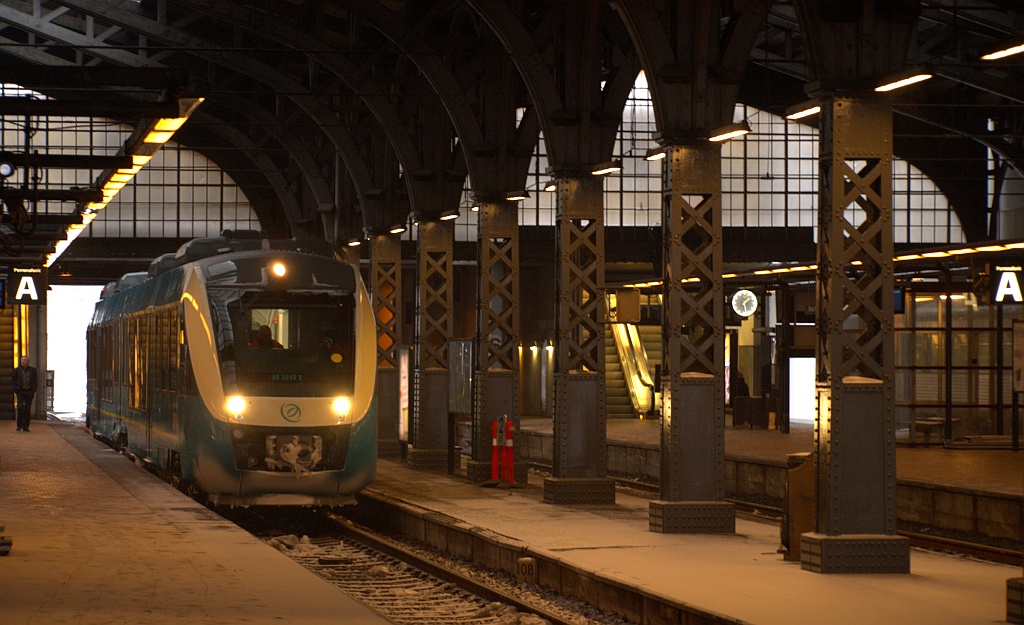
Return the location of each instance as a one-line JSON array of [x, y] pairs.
[[241, 368]]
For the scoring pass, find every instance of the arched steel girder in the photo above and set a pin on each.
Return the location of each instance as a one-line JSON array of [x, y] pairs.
[[694, 65], [48, 29], [240, 144], [576, 114], [236, 61], [434, 69], [251, 151], [456, 98], [296, 149], [480, 149], [856, 40], [420, 158], [266, 26]]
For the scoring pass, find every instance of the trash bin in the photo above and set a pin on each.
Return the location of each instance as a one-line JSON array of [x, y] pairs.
[[798, 511]]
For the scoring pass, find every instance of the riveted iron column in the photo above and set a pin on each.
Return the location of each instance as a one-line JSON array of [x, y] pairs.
[[579, 457], [854, 434], [433, 329], [497, 367], [693, 388], [386, 291]]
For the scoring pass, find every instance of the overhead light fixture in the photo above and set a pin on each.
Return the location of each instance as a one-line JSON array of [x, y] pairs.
[[164, 129], [475, 208], [802, 110], [449, 215], [729, 132], [552, 185], [144, 142], [610, 167], [516, 196], [355, 242], [656, 154], [123, 175], [1002, 54], [902, 79], [397, 229]]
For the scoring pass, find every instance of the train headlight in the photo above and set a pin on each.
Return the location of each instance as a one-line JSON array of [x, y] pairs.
[[236, 405], [279, 269], [341, 406]]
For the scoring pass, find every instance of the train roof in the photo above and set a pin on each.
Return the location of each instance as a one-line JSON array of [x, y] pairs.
[[199, 249], [205, 247]]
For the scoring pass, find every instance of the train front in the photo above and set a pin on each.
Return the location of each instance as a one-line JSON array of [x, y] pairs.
[[283, 346]]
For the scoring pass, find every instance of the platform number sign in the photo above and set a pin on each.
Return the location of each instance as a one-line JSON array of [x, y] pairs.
[[26, 285], [526, 571], [1006, 284]]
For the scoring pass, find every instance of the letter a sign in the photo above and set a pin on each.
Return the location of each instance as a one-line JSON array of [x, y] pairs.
[[26, 285], [1006, 285]]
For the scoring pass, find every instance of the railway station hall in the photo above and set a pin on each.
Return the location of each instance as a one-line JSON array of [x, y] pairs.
[[614, 312]]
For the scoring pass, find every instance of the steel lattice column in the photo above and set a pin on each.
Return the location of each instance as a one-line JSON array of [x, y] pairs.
[[580, 420], [386, 289], [693, 387], [854, 434], [433, 329], [497, 349]]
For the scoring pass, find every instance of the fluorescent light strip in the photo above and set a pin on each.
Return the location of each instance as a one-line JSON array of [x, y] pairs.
[[807, 112], [729, 135], [1002, 54], [903, 83]]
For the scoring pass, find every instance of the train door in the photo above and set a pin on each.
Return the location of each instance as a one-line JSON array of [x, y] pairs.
[[163, 383], [149, 326], [91, 371]]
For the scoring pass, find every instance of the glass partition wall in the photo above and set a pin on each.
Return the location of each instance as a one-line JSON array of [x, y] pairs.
[[954, 358]]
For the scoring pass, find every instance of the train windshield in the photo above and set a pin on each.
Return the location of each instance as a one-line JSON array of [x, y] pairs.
[[285, 344]]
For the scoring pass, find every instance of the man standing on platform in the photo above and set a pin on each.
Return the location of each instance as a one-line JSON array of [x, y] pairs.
[[26, 380]]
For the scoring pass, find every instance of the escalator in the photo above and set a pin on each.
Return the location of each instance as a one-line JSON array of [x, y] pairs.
[[630, 385]]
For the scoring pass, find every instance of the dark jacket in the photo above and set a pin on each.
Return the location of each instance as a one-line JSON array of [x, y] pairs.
[[25, 384]]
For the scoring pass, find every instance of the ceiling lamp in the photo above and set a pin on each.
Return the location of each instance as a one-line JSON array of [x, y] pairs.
[[905, 78], [1002, 54], [802, 110], [610, 167], [449, 215], [731, 131], [515, 196], [655, 154]]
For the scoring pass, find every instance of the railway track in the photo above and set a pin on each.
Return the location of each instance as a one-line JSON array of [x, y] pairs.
[[405, 585]]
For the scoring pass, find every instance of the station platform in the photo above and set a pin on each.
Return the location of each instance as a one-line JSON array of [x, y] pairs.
[[608, 553], [99, 540]]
